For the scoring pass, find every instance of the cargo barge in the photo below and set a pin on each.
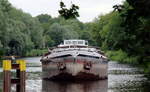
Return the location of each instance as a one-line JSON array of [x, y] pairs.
[[74, 60]]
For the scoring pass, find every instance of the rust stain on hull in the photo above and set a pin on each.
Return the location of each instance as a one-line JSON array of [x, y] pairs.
[[82, 76], [74, 71]]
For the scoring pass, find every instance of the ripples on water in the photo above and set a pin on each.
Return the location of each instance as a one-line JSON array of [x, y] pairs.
[[121, 78], [124, 78]]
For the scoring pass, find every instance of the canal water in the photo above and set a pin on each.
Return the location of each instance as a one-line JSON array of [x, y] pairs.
[[121, 78]]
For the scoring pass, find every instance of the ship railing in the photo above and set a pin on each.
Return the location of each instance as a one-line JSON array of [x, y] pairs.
[[79, 49]]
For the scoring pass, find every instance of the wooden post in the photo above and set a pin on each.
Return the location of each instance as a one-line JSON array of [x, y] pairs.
[[18, 84], [21, 75], [20, 67], [7, 74]]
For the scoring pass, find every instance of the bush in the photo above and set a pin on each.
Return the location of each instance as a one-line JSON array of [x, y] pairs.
[[146, 67], [121, 56], [1, 54]]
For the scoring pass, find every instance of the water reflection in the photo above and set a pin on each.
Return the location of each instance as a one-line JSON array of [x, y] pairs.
[[121, 78], [96, 86]]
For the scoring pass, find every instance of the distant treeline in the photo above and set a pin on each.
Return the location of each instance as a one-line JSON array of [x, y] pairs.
[[20, 33], [124, 34]]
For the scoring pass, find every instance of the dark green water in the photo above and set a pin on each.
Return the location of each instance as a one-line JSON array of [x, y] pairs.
[[121, 78]]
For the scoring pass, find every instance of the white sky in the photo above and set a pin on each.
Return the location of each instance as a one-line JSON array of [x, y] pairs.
[[89, 9]]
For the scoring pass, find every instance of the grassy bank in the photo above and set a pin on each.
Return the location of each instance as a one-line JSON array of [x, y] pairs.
[[123, 57], [35, 52]]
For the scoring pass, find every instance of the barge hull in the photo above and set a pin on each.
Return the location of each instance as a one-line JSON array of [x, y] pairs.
[[74, 69]]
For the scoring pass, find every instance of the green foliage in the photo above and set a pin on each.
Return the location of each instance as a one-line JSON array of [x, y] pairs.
[[48, 41], [0, 63], [68, 13], [44, 18], [122, 57], [5, 6], [36, 52], [148, 68], [19, 32], [124, 33], [117, 55], [58, 33], [123, 30]]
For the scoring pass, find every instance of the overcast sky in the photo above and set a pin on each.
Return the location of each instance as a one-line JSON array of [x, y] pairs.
[[89, 9]]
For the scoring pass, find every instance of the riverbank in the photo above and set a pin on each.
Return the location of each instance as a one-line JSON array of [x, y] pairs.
[[123, 57]]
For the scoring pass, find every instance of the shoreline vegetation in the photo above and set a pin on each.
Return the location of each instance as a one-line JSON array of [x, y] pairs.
[[32, 53], [123, 57], [36, 52]]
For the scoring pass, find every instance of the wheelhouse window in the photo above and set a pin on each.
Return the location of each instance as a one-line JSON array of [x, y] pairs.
[[80, 42], [74, 42], [68, 42]]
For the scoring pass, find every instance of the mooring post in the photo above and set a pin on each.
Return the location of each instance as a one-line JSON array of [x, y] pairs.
[[18, 84], [7, 75], [20, 67], [21, 75]]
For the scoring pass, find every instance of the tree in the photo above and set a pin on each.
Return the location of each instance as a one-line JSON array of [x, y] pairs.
[[44, 18], [68, 13], [69, 33]]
